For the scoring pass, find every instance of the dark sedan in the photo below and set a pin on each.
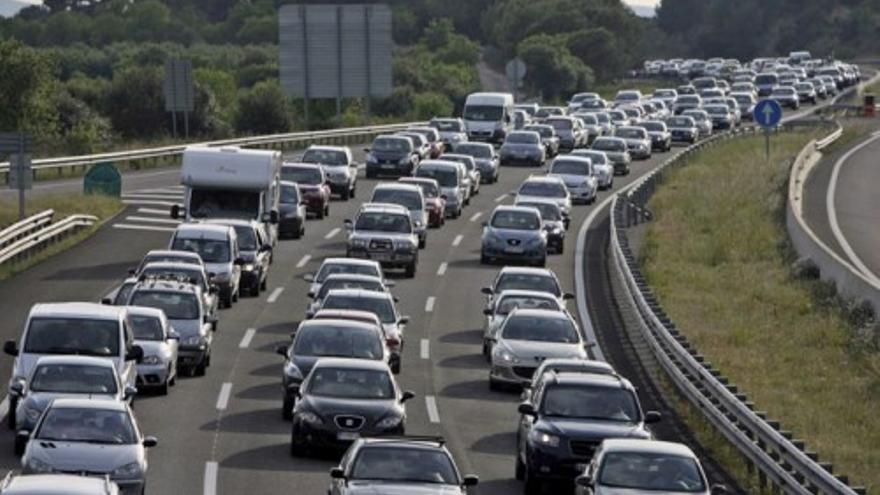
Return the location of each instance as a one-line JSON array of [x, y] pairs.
[[312, 184], [291, 211]]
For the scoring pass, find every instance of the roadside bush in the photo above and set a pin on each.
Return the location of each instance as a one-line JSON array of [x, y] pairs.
[[431, 104], [263, 110]]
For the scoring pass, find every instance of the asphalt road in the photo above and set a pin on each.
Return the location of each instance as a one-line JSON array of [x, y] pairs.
[[223, 433]]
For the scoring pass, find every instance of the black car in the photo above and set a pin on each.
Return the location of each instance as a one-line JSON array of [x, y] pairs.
[[342, 400], [413, 465], [291, 211], [392, 156], [566, 418], [316, 339]]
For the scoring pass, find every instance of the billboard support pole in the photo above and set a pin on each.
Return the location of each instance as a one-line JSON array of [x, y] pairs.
[[368, 13], [339, 63], [305, 51]]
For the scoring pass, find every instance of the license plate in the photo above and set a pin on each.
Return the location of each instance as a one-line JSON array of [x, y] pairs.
[[514, 250], [380, 256], [347, 435], [387, 165]]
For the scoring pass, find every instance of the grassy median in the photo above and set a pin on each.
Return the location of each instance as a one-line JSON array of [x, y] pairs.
[[64, 205], [717, 256]]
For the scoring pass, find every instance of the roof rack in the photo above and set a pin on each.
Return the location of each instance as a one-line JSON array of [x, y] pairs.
[[412, 438], [167, 277]]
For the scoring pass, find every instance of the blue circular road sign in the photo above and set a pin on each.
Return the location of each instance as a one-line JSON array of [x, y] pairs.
[[768, 113]]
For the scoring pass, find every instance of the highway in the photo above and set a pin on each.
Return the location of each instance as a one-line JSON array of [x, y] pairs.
[[223, 433]]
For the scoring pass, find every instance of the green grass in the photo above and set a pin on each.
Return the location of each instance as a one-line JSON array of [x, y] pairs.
[[717, 256], [102, 207]]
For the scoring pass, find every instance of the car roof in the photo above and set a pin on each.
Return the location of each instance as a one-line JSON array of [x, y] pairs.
[[577, 365], [384, 208], [418, 180], [334, 362], [371, 294], [78, 310], [173, 252], [400, 186], [76, 360], [514, 208], [344, 149], [575, 158], [543, 178], [313, 166], [532, 200], [345, 314], [541, 313], [525, 270], [163, 285], [232, 222], [173, 264], [68, 484], [348, 261], [421, 442], [456, 156], [525, 293], [146, 311], [647, 446], [90, 403], [339, 322], [437, 163], [353, 276], [592, 379], [203, 228]]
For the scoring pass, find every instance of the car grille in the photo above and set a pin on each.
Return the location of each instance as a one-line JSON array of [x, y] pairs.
[[524, 371], [349, 422], [381, 244], [583, 448], [514, 242]]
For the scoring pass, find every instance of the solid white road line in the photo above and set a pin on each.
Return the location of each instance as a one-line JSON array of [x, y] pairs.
[[248, 337], [425, 350], [476, 216], [303, 261], [142, 227], [223, 398], [832, 211], [274, 295], [457, 240], [442, 269], [169, 221], [210, 478], [431, 405], [155, 211], [501, 198], [169, 197], [429, 304], [332, 233], [148, 203]]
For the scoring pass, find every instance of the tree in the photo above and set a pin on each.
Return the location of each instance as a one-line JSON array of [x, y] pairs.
[[598, 49], [135, 102], [431, 104], [552, 69], [26, 90], [263, 110]]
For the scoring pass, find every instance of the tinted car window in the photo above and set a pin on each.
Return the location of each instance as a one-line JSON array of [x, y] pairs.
[[391, 144], [476, 150], [522, 281], [588, 402], [325, 157], [381, 307], [549, 211], [301, 175], [332, 268], [329, 285], [404, 464], [548, 189], [351, 383], [522, 138], [76, 379], [383, 222], [650, 471], [211, 251], [570, 167], [558, 330], [289, 195], [509, 303], [515, 220], [445, 177], [407, 199], [177, 305], [86, 425], [147, 328], [247, 238], [72, 336], [336, 341]]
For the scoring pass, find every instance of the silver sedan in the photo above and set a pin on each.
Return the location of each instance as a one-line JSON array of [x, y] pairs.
[[154, 334]]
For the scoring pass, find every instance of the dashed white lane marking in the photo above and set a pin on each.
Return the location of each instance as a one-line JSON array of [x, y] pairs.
[[501, 198], [476, 216], [223, 398], [425, 349], [457, 240], [210, 478], [274, 295], [442, 269], [302, 262], [429, 304], [332, 233], [168, 221], [142, 227], [154, 211], [248, 337], [431, 405]]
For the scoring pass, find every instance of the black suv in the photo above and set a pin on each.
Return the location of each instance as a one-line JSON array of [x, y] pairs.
[[566, 418]]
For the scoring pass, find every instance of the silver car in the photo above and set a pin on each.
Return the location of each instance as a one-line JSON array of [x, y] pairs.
[[339, 166], [452, 131], [603, 170], [384, 232], [410, 197], [93, 436], [616, 150], [331, 266], [505, 303], [544, 187], [701, 118], [57, 377], [485, 159], [529, 336], [158, 368], [638, 142], [344, 281], [577, 174]]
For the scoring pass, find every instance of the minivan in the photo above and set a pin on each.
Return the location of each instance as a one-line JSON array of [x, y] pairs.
[[218, 247]]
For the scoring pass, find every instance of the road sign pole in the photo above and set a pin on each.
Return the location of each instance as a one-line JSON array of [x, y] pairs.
[[21, 179], [767, 143]]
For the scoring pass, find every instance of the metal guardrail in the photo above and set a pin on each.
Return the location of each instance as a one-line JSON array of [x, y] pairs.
[[780, 460], [36, 240], [283, 142], [24, 227]]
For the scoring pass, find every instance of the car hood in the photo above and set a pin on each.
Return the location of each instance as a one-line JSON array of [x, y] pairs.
[[186, 328], [509, 234], [588, 429], [533, 353], [78, 456], [153, 347], [371, 410], [571, 179], [389, 488], [219, 268], [25, 363], [389, 155]]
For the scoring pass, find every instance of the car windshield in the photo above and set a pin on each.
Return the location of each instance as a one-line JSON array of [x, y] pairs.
[[301, 175], [543, 131], [211, 251], [392, 145], [445, 176], [540, 329], [713, 110], [73, 379], [589, 402], [654, 126], [630, 133], [589, 119], [403, 464], [325, 157], [559, 124], [383, 222], [524, 281], [522, 138], [289, 195], [328, 269], [429, 190], [447, 125], [515, 220], [570, 167], [764, 79], [338, 341], [549, 211], [347, 283], [483, 112], [596, 157], [247, 237], [176, 305], [804, 86], [179, 273], [652, 472], [698, 116], [680, 122], [617, 115], [542, 188], [216, 203], [665, 93], [80, 336], [88, 424], [408, 199], [351, 383], [783, 91], [509, 303], [379, 306], [475, 150], [466, 160], [147, 328]]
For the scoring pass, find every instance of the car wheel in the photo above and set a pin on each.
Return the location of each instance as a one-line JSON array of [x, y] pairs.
[[542, 262], [163, 389], [327, 209], [395, 367], [411, 270], [370, 174], [520, 470], [264, 284], [531, 486], [19, 446], [287, 408], [422, 243], [494, 385], [320, 213], [484, 260], [560, 249], [10, 416], [236, 295], [201, 368]]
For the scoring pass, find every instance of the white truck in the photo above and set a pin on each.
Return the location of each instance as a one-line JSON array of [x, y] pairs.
[[230, 182], [488, 117]]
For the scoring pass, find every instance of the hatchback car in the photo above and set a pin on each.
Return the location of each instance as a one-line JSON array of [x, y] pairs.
[[548, 138], [255, 252], [505, 303], [638, 143], [452, 131], [473, 174], [312, 183], [552, 222], [432, 136], [616, 150], [184, 273], [342, 400], [661, 138], [291, 211], [522, 278], [523, 147], [786, 96], [152, 331], [339, 166], [701, 119], [485, 158], [217, 245], [603, 169], [391, 155], [546, 187], [570, 131], [331, 266], [683, 129], [452, 181], [577, 174], [514, 233], [344, 281], [720, 115], [435, 203]]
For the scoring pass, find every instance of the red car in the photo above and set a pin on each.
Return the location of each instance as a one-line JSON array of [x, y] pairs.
[[433, 137], [434, 202], [313, 187]]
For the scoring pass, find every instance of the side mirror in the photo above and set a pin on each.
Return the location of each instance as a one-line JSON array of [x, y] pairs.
[[568, 296], [273, 217], [150, 441], [281, 350], [337, 473], [172, 335], [486, 290], [484, 224], [443, 197], [407, 395], [212, 319], [309, 277], [107, 301], [129, 392], [132, 271], [403, 320], [17, 387], [652, 417], [488, 312], [526, 408], [266, 247], [175, 211], [471, 480], [136, 353], [310, 294], [11, 348], [583, 481], [349, 225], [24, 436]]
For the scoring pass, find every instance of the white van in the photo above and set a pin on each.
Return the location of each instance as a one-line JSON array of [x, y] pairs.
[[231, 182], [489, 116]]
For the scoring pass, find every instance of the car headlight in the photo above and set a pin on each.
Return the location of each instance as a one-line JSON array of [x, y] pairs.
[[152, 359], [222, 277], [404, 246], [194, 340], [36, 466], [371, 158], [358, 243], [32, 414], [544, 438], [389, 422], [310, 418], [504, 356], [293, 372], [404, 160], [248, 267], [130, 470]]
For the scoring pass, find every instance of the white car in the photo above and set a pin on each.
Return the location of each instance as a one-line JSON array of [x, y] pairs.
[[603, 169], [153, 333], [577, 174], [332, 266], [525, 278], [536, 187]]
